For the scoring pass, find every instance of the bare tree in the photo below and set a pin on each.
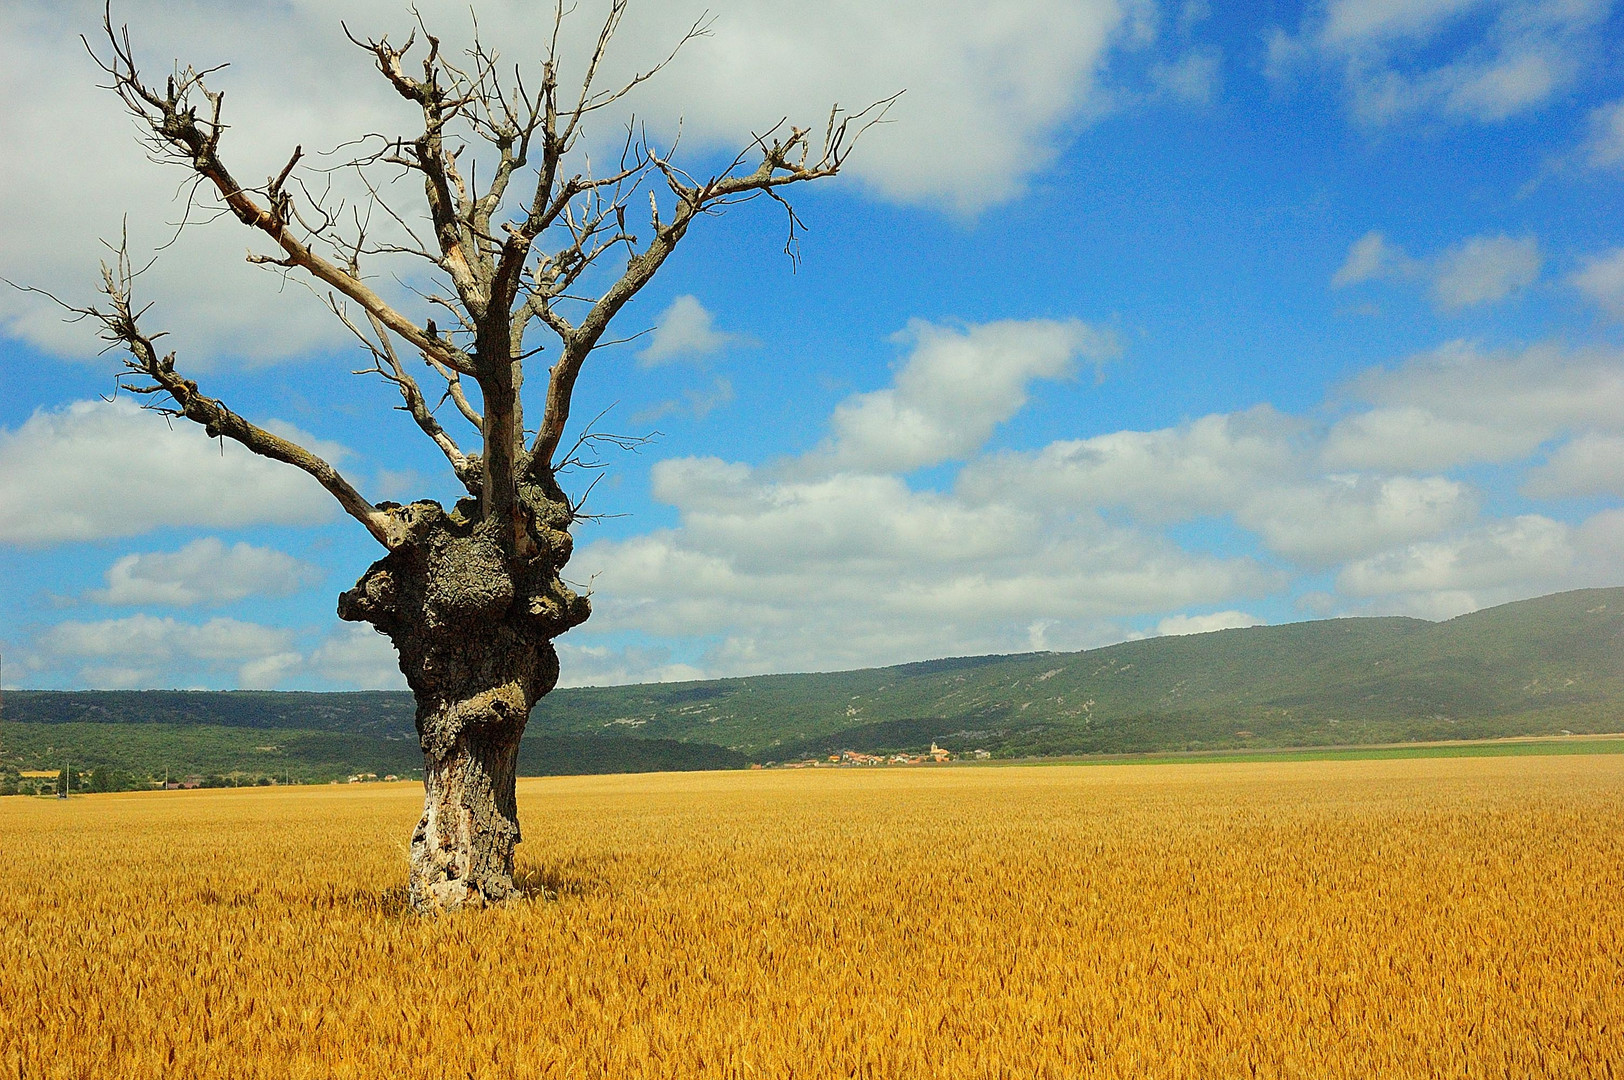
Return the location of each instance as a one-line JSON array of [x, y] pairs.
[[471, 597]]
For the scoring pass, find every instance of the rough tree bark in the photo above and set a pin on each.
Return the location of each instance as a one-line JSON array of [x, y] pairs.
[[474, 627], [472, 598]]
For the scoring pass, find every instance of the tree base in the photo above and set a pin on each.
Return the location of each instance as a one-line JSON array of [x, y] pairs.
[[462, 848]]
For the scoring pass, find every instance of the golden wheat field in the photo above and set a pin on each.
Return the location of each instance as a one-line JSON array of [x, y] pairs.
[[1440, 918]]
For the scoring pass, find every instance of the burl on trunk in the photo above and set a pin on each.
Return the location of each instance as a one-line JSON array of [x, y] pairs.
[[473, 623]]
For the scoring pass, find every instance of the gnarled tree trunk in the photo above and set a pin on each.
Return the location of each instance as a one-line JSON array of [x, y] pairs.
[[473, 624]]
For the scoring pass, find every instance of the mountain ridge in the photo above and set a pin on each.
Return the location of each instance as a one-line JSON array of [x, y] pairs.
[[1537, 666]]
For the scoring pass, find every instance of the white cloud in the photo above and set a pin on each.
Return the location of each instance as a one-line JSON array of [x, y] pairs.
[[598, 665], [1370, 257], [1601, 280], [144, 651], [356, 655], [1339, 517], [1515, 553], [954, 389], [1493, 563], [97, 470], [685, 330], [897, 590], [1253, 466], [992, 94], [1480, 270], [65, 195], [1457, 405], [1480, 60], [150, 652], [833, 560], [1592, 464], [1605, 146], [1485, 269], [1207, 466], [1412, 437], [1178, 625], [986, 89], [204, 572]]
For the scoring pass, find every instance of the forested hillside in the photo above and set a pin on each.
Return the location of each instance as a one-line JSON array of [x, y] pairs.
[[1535, 667]]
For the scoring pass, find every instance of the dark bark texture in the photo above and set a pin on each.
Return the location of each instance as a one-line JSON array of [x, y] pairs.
[[473, 624]]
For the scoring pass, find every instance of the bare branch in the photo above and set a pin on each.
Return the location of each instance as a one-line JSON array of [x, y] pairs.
[[120, 330], [783, 161], [383, 352], [455, 392], [180, 134], [507, 261]]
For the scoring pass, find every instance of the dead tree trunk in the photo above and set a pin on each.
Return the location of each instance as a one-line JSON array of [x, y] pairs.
[[474, 625]]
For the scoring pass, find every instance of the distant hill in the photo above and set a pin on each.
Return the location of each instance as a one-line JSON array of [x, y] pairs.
[[1533, 667], [1529, 668]]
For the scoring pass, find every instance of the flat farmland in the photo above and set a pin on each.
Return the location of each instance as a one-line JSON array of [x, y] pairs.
[[1394, 918]]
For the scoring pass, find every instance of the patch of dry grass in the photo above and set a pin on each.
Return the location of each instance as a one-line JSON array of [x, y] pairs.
[[1326, 919]]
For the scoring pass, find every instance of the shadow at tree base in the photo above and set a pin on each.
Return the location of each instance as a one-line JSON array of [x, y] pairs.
[[570, 879]]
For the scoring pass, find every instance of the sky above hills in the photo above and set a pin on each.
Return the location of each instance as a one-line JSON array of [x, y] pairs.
[[1134, 319]]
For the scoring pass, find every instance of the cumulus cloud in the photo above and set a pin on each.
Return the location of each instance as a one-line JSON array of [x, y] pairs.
[[813, 563], [1206, 466], [142, 650], [98, 470], [1601, 280], [1414, 437], [1179, 625], [903, 586], [1338, 517], [1480, 270], [1477, 60], [1254, 467], [834, 559], [356, 655], [1458, 404], [146, 651], [1493, 563], [203, 572], [990, 99], [1485, 269], [685, 330], [1591, 464], [601, 665], [956, 386]]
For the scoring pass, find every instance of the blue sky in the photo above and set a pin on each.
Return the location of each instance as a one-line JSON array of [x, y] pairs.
[[1137, 318]]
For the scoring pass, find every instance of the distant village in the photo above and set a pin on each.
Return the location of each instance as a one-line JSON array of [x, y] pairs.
[[852, 758]]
